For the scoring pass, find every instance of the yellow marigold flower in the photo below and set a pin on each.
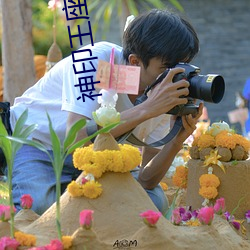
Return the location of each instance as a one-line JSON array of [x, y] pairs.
[[180, 177], [97, 162], [75, 189], [226, 140], [131, 157], [164, 186], [67, 242], [206, 141], [83, 156], [208, 192], [114, 160], [27, 240], [209, 180], [93, 169], [92, 189]]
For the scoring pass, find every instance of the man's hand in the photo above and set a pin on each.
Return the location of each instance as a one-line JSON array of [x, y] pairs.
[[167, 94], [188, 125]]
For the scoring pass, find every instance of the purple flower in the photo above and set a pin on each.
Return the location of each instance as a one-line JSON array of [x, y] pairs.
[[195, 214], [236, 224], [228, 216], [248, 216]]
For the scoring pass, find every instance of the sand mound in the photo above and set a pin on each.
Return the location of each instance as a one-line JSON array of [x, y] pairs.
[[117, 224], [234, 185]]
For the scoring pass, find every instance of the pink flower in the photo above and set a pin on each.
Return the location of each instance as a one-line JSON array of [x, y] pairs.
[[86, 218], [53, 4], [8, 243], [219, 206], [39, 248], [84, 180], [5, 212], [55, 245], [150, 217], [206, 215], [176, 217], [26, 201]]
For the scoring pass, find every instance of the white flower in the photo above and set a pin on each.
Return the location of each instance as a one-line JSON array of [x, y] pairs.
[[217, 127], [105, 116], [108, 98], [128, 21]]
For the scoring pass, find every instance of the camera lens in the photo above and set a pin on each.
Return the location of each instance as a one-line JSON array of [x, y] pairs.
[[209, 88]]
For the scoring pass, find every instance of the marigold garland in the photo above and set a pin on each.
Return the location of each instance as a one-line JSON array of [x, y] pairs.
[[226, 139], [208, 186], [206, 141], [95, 163], [98, 162]]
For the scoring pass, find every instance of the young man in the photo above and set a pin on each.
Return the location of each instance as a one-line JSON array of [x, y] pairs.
[[154, 41]]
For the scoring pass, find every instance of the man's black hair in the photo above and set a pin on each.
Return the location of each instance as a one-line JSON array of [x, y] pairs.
[[162, 34]]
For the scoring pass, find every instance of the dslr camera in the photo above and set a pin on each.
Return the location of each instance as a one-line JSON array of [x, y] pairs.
[[209, 88]]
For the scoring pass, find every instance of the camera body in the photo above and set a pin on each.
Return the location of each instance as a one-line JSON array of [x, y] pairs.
[[209, 88]]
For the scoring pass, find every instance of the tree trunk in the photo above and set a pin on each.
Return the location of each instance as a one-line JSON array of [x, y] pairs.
[[17, 47], [125, 13]]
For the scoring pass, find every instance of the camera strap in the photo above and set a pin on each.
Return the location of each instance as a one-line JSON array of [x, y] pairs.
[[131, 138]]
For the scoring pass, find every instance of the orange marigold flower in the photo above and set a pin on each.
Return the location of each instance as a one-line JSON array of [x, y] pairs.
[[208, 192], [242, 141], [24, 239], [206, 141], [209, 180], [195, 141], [225, 139], [164, 186], [67, 242], [180, 177]]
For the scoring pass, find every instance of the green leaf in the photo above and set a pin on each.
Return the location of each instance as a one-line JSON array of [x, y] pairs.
[[20, 123], [23, 134], [172, 207], [71, 136], [238, 205], [56, 147], [5, 144], [32, 143]]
